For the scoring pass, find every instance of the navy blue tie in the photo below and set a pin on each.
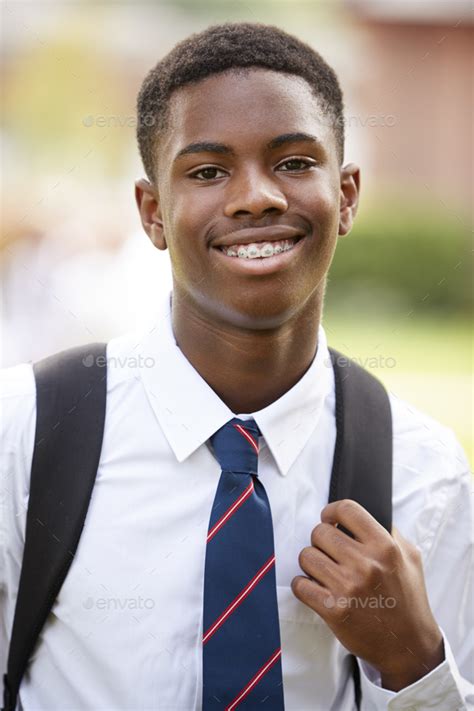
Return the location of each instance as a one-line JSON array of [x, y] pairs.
[[241, 634]]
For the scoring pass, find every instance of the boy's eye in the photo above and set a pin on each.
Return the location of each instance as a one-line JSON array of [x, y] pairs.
[[212, 173], [295, 164], [209, 173]]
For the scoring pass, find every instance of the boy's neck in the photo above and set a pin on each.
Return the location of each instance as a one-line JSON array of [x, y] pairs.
[[247, 368]]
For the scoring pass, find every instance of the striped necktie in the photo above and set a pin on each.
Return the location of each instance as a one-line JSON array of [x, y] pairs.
[[241, 634]]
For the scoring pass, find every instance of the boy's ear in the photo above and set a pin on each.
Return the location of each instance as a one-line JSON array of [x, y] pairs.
[[148, 203], [349, 198]]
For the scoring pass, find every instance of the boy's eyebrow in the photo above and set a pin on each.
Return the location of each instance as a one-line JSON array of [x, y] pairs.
[[294, 138], [223, 149], [205, 147]]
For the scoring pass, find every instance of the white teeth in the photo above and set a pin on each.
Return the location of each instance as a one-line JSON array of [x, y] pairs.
[[267, 250], [258, 250]]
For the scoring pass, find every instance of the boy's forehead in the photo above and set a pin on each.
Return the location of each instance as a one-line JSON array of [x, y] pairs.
[[239, 107]]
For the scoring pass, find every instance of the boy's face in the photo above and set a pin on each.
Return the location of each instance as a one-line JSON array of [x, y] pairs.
[[292, 188]]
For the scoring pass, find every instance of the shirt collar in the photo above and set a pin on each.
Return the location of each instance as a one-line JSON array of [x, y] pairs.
[[189, 411]]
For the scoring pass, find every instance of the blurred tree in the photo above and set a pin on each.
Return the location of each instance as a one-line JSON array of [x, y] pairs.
[[65, 102], [403, 254]]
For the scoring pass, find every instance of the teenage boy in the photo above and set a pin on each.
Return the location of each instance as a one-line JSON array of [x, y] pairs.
[[210, 503]]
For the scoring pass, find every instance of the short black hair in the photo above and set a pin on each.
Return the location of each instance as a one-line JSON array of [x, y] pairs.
[[222, 48]]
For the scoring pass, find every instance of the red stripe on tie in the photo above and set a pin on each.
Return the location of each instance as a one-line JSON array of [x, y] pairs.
[[247, 689], [228, 514], [247, 436], [234, 605]]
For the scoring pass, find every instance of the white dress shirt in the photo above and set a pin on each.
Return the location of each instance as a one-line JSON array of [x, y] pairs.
[[125, 631]]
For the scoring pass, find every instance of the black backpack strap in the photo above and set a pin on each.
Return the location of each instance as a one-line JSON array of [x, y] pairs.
[[71, 393], [362, 465]]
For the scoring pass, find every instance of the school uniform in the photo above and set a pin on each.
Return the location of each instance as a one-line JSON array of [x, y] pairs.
[[126, 629]]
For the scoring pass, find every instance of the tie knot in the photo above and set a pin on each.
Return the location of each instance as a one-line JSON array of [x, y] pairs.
[[236, 446]]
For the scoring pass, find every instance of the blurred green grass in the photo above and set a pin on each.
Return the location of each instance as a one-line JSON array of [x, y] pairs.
[[427, 362]]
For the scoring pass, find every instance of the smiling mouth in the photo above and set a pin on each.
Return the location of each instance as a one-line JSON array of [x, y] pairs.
[[253, 263], [259, 250]]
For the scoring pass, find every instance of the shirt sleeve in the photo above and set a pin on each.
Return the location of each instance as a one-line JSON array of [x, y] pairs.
[[446, 548], [17, 432], [441, 689]]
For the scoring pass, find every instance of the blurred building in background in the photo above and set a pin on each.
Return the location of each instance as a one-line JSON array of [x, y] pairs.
[[76, 265], [418, 59]]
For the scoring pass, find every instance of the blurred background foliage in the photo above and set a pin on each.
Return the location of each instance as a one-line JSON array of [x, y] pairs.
[[76, 265], [51, 92], [404, 254], [399, 301]]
